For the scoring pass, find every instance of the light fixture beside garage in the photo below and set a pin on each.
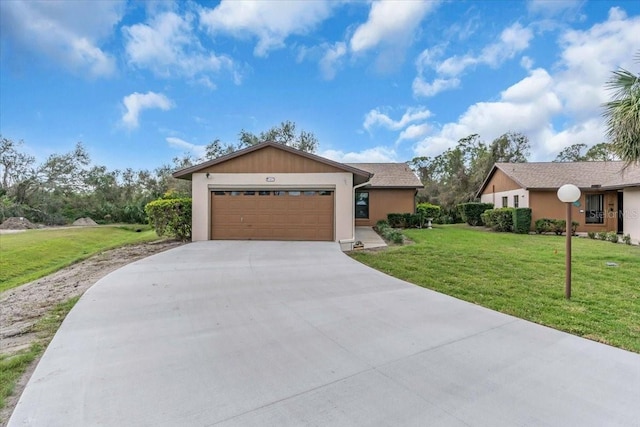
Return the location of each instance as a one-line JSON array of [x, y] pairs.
[[207, 175], [271, 179]]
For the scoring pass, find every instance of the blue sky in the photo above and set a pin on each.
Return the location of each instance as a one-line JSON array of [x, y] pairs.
[[142, 82]]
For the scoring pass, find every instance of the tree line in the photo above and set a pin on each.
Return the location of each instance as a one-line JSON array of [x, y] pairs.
[[68, 186]]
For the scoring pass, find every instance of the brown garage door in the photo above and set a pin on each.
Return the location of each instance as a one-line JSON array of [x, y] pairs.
[[272, 215]]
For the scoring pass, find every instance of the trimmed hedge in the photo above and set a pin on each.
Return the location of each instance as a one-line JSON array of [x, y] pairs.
[[471, 212], [557, 226], [500, 219], [170, 217], [427, 210], [522, 220]]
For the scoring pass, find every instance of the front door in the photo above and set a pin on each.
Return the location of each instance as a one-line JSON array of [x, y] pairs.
[[620, 213]]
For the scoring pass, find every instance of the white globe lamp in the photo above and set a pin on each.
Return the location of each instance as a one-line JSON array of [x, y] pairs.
[[568, 194]]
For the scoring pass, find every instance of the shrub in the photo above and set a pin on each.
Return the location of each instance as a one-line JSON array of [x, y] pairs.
[[427, 210], [626, 239], [521, 220], [395, 220], [395, 236], [557, 226], [500, 219], [485, 218], [381, 225], [612, 236], [591, 234], [170, 217], [471, 212], [543, 225], [602, 235]]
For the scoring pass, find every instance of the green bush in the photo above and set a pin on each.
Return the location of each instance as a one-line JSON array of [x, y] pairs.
[[591, 234], [382, 225], [500, 219], [612, 236], [557, 226], [427, 210], [521, 220], [544, 225], [396, 220], [602, 235], [626, 239], [170, 217], [394, 236], [471, 212]]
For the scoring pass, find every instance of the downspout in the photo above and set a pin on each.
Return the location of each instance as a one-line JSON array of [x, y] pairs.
[[352, 239]]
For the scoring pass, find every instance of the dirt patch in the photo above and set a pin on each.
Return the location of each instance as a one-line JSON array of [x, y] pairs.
[[84, 222], [23, 306], [17, 223]]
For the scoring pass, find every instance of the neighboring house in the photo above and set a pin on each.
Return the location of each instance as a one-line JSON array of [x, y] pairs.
[[610, 199], [274, 192]]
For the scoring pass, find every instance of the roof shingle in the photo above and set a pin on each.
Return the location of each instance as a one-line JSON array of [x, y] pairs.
[[390, 175], [585, 175]]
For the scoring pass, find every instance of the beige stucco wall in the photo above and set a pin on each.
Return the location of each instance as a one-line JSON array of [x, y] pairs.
[[631, 209], [340, 182], [496, 198]]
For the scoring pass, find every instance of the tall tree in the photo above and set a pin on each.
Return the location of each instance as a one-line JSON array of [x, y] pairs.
[[572, 153], [15, 166], [622, 114], [283, 134]]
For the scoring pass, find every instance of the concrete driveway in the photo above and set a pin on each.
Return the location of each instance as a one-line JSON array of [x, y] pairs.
[[285, 333]]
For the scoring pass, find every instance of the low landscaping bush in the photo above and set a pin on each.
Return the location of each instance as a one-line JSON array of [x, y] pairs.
[[381, 225], [557, 226], [394, 236], [521, 220], [170, 217], [395, 220], [471, 212], [500, 219], [626, 239], [591, 234], [602, 235], [612, 236]]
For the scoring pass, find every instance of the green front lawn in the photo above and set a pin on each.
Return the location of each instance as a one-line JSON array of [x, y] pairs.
[[523, 275], [33, 254]]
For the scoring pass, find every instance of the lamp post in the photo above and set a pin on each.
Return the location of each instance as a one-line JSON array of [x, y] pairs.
[[568, 194]]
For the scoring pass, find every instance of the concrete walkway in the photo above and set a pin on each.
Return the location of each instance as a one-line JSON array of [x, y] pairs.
[[292, 334], [369, 238]]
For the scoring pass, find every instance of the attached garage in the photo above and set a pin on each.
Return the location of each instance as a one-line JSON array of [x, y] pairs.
[[254, 214], [274, 192]]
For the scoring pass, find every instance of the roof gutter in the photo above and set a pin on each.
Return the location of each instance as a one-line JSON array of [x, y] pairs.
[[352, 239]]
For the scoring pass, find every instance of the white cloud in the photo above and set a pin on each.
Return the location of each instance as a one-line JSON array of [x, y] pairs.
[[571, 97], [513, 40], [198, 150], [371, 155], [527, 107], [389, 22], [168, 46], [67, 32], [423, 88], [136, 102], [270, 21], [414, 132], [331, 59], [376, 117], [592, 55]]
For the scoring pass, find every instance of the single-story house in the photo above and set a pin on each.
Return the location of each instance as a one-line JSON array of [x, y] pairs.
[[610, 199], [274, 192]]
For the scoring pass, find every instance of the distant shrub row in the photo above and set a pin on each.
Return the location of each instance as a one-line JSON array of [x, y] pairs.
[[424, 211], [611, 236], [557, 226]]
